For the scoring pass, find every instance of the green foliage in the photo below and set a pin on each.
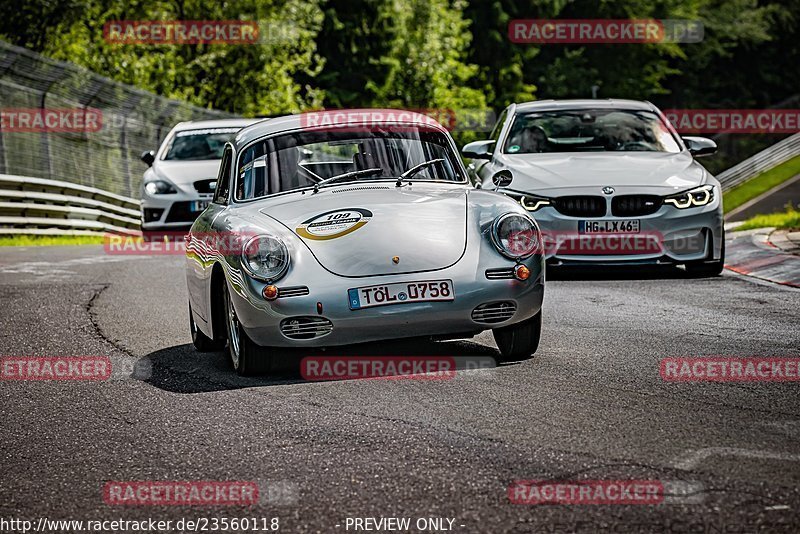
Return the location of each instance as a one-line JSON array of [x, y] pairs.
[[451, 54], [245, 79], [788, 219]]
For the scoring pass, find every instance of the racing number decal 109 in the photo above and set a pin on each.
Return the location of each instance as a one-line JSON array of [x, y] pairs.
[[333, 224]]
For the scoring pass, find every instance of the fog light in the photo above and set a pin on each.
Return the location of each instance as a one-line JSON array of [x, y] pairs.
[[270, 292], [521, 272]]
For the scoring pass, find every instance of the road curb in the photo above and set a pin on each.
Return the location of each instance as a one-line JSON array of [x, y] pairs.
[[751, 253], [786, 241]]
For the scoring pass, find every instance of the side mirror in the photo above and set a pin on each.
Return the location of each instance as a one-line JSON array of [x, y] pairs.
[[478, 149], [149, 156], [502, 178], [700, 146]]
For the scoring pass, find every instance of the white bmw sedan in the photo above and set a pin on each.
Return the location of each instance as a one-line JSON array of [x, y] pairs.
[[609, 182], [183, 172]]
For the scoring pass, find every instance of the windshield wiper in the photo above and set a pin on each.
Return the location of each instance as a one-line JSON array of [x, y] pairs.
[[351, 174], [416, 168]]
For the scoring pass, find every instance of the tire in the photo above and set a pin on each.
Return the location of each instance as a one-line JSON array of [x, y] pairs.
[[248, 359], [519, 341], [702, 269], [202, 342]]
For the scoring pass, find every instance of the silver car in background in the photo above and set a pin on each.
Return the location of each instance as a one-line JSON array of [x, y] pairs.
[[360, 231], [609, 182], [182, 175]]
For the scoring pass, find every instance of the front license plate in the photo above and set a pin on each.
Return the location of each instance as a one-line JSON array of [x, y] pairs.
[[198, 205], [400, 293], [630, 226]]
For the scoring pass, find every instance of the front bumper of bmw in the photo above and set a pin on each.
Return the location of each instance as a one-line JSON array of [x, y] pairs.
[[668, 236]]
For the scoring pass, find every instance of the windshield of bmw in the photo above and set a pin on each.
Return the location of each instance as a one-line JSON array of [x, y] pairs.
[[589, 130], [204, 144], [305, 159]]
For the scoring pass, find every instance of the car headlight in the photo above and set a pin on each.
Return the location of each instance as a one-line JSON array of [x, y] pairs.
[[159, 187], [515, 236], [533, 203], [699, 196], [265, 257]]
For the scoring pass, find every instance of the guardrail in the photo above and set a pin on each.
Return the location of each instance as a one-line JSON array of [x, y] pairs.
[[763, 161], [37, 206]]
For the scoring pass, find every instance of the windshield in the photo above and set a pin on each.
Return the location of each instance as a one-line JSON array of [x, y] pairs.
[[204, 144], [301, 160], [589, 130]]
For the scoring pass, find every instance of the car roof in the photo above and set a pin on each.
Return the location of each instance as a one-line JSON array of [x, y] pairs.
[[606, 103], [332, 118], [214, 123]]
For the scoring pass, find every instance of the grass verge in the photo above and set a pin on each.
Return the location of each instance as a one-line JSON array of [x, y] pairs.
[[760, 184], [789, 219], [49, 240]]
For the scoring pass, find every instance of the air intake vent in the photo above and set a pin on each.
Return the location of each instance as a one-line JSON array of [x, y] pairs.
[[503, 273], [634, 205], [361, 188], [581, 206], [494, 312], [306, 327], [297, 291]]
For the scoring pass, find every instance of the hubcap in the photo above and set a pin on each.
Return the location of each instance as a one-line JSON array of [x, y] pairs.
[[233, 330]]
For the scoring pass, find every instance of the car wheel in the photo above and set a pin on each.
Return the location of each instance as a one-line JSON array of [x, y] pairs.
[[519, 341], [247, 358], [202, 342], [700, 269]]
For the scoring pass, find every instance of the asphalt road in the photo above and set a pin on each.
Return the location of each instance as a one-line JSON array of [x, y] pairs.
[[590, 405], [787, 194]]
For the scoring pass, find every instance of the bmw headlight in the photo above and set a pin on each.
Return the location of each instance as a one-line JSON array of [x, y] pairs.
[[159, 187], [265, 257], [533, 203], [515, 236], [699, 196]]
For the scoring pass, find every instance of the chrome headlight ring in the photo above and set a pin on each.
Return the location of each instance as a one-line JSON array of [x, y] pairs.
[[515, 236], [265, 258]]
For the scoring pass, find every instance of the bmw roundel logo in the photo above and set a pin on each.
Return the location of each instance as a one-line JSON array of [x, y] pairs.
[[608, 190]]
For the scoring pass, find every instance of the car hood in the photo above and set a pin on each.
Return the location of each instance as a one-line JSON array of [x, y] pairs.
[[378, 229], [581, 173], [186, 172]]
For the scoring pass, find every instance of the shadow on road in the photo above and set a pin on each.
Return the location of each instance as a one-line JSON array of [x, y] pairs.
[[632, 272], [181, 369]]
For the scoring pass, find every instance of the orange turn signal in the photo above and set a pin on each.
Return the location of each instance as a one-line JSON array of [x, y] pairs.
[[270, 292], [521, 272]]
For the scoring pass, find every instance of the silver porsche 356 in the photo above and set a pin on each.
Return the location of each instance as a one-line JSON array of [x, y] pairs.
[[364, 227]]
